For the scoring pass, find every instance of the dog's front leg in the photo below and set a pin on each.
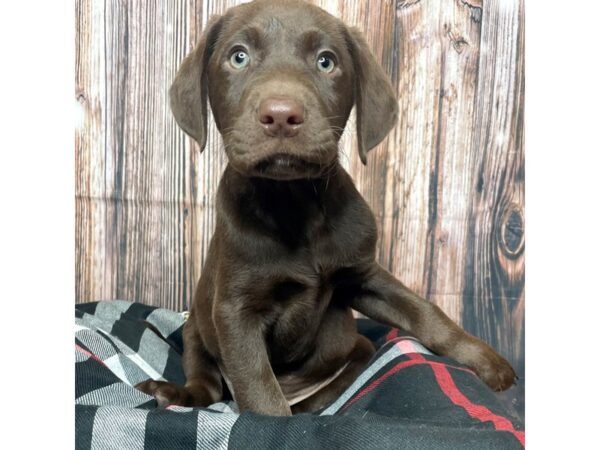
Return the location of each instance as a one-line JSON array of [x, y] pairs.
[[387, 300], [245, 360]]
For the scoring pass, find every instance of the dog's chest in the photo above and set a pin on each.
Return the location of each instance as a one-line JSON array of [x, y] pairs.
[[303, 303], [309, 250]]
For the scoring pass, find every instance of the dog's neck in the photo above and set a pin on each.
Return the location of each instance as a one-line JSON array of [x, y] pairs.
[[288, 208]]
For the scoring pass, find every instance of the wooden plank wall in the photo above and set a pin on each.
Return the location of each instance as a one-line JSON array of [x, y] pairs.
[[447, 186]]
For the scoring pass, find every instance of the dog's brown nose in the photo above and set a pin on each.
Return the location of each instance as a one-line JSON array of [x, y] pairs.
[[281, 116]]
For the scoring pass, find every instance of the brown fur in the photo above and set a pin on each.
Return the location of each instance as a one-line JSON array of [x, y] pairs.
[[294, 245]]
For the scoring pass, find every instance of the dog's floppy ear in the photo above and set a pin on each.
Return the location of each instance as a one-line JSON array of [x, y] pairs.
[[376, 105], [188, 93]]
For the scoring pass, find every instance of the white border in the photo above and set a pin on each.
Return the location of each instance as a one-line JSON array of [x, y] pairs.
[[562, 186], [37, 225]]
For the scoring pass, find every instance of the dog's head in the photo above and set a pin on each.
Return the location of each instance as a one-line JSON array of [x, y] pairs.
[[282, 78]]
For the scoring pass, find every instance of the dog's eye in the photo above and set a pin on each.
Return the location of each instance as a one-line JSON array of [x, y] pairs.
[[239, 59], [325, 63]]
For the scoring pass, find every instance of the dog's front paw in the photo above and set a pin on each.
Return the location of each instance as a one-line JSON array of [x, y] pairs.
[[494, 370], [165, 393]]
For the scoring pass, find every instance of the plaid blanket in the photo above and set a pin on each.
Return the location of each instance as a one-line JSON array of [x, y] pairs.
[[406, 397]]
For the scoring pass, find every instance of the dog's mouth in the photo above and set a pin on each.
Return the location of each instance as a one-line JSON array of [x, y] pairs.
[[283, 166]]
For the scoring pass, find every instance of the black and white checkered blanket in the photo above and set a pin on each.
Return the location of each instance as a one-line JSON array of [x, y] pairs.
[[406, 398]]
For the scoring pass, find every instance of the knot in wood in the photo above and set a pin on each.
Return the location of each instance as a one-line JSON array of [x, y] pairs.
[[512, 236]]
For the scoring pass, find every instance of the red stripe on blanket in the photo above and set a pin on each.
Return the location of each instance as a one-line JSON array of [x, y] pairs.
[[479, 412], [398, 367], [392, 334], [88, 354]]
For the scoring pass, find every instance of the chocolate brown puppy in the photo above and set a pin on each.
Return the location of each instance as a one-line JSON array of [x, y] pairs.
[[294, 246]]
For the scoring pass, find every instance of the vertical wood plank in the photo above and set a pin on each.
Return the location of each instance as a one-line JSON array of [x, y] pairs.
[[132, 208], [495, 269], [90, 161]]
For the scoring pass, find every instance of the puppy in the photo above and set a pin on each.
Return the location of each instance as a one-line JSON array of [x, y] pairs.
[[294, 246]]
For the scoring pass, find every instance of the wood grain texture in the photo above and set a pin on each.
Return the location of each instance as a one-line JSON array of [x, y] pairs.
[[447, 185]]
